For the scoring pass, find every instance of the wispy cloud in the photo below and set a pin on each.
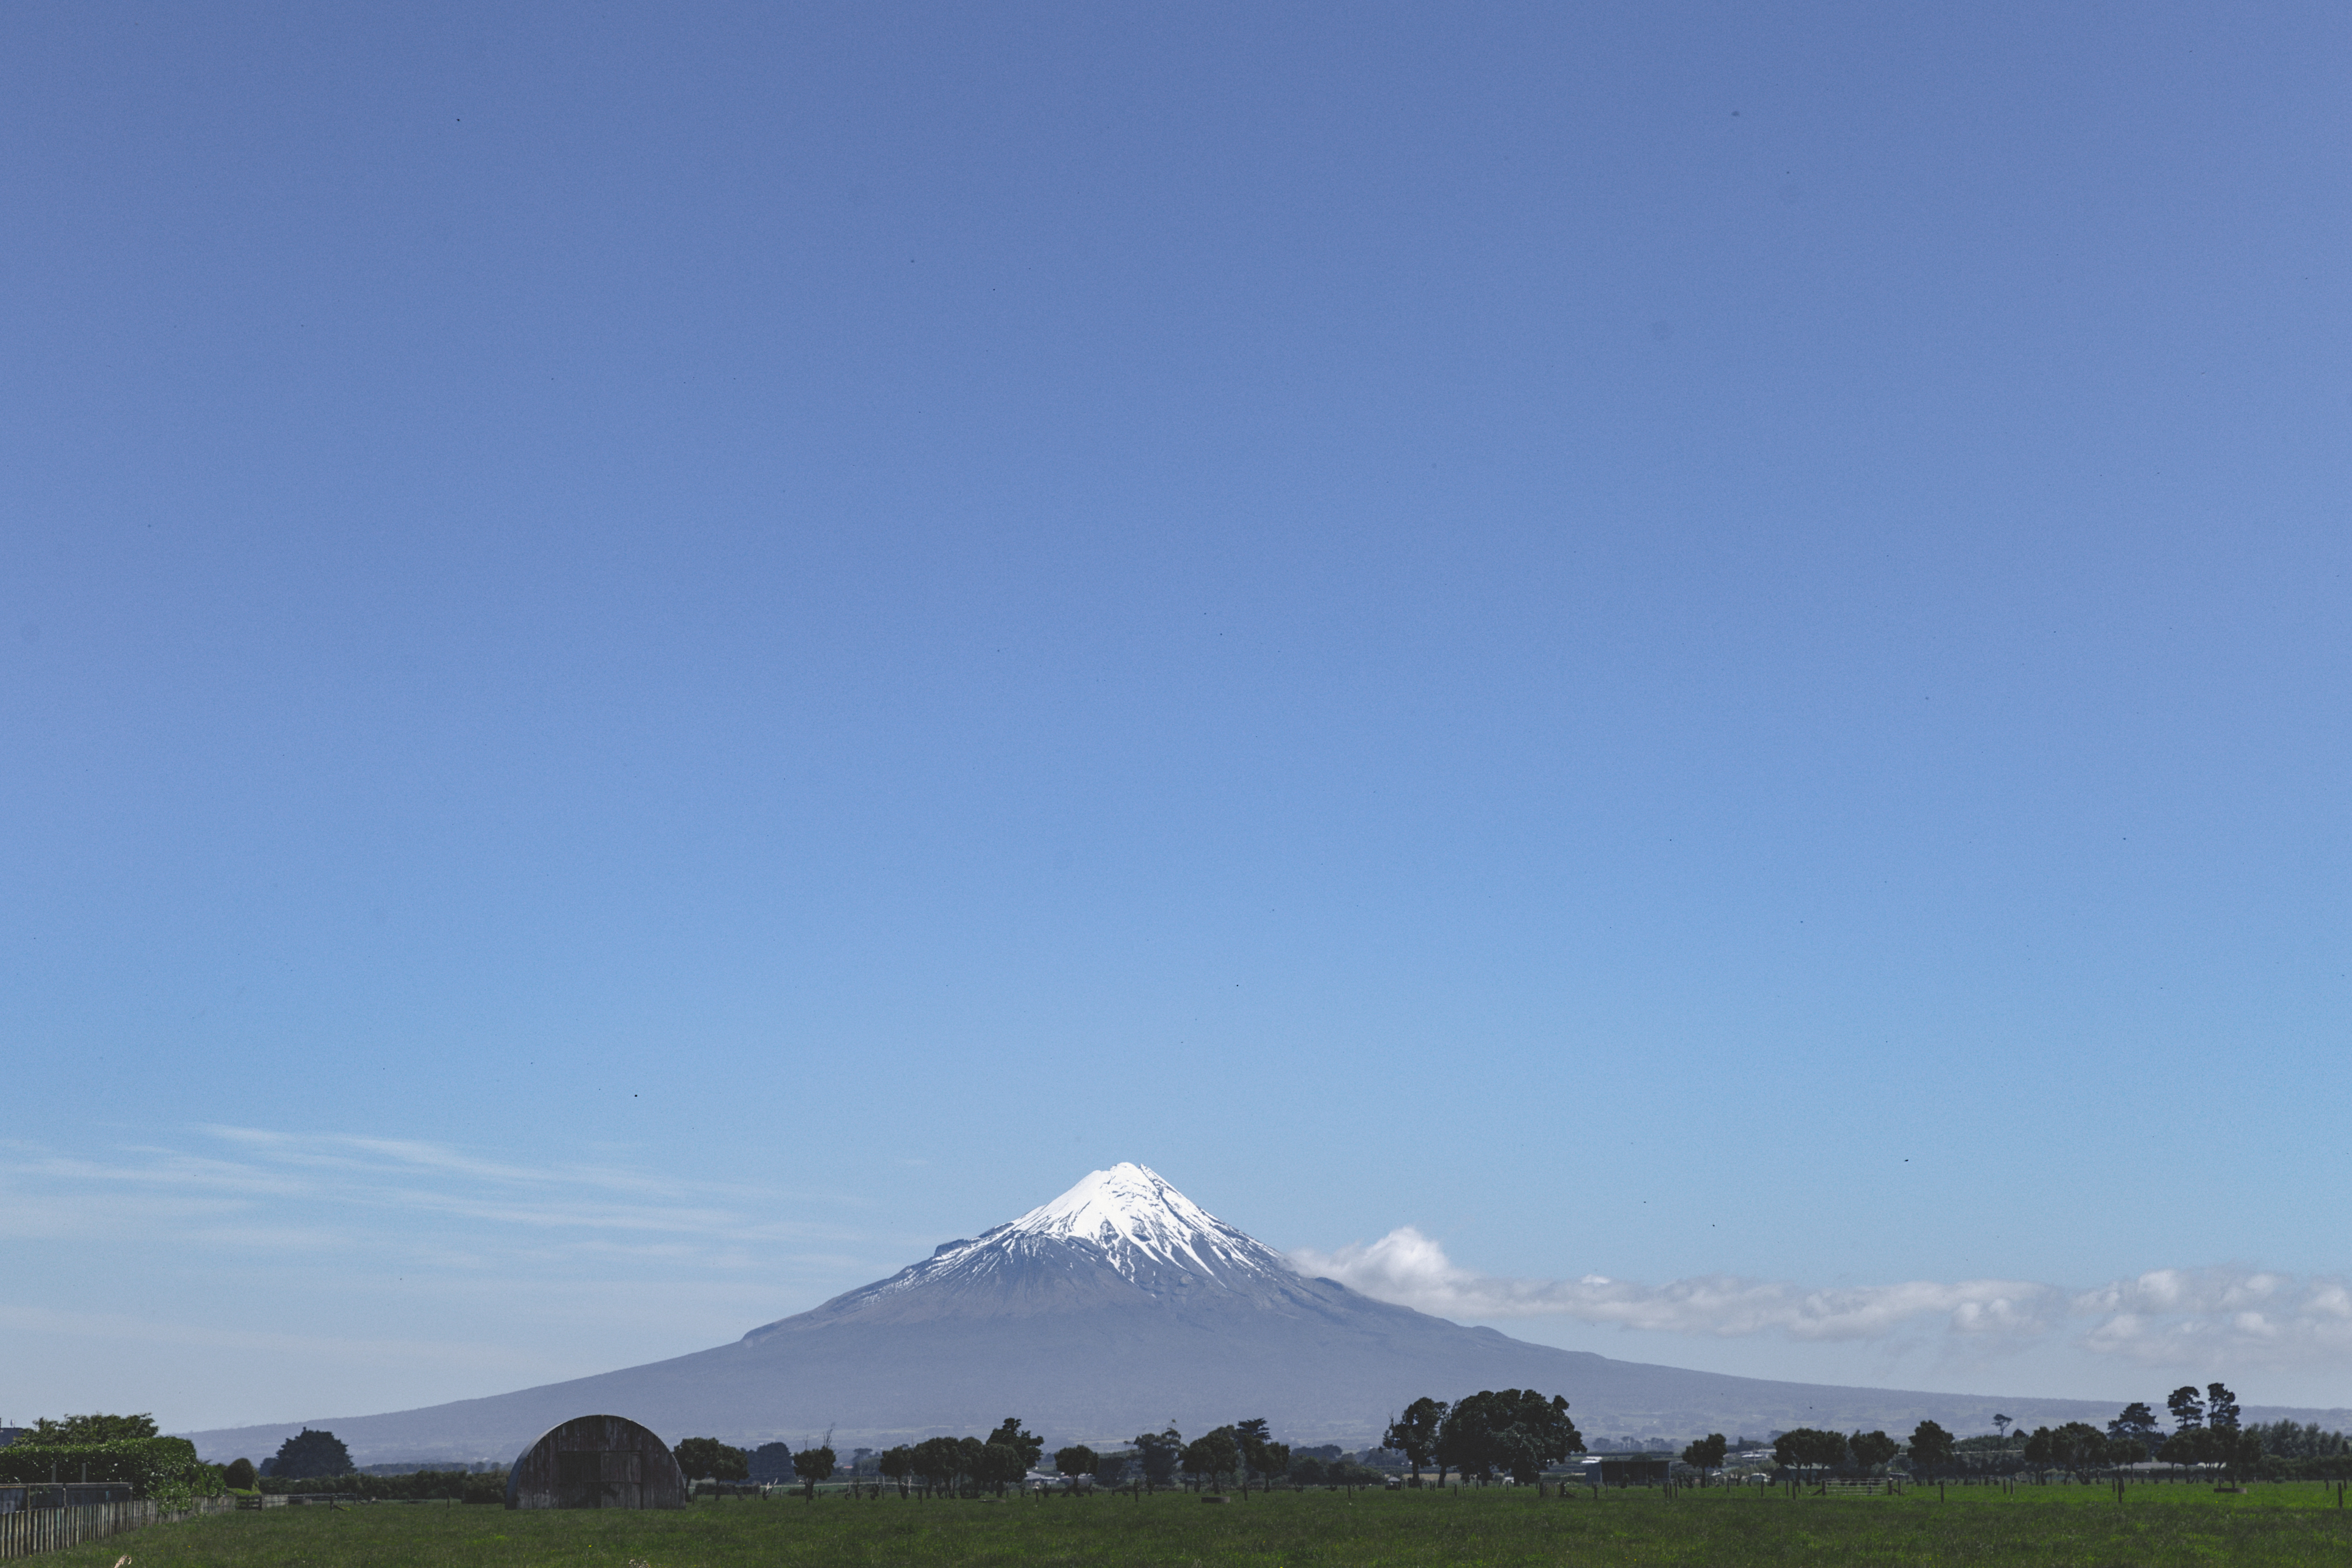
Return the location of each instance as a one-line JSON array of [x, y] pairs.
[[256, 1188], [2164, 1317]]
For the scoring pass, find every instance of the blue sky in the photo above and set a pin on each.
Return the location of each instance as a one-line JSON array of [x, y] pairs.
[[651, 658]]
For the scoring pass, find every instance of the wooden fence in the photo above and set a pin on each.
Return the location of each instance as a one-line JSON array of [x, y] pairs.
[[29, 1531]]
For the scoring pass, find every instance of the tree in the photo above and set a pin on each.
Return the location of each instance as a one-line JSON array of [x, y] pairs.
[[708, 1459], [1415, 1433], [2188, 1446], [2136, 1424], [1514, 1430], [1109, 1470], [49, 1434], [1931, 1446], [1261, 1456], [1705, 1455], [310, 1454], [2220, 1409], [2078, 1447], [1076, 1461], [1872, 1449], [1212, 1454], [1808, 1448], [2187, 1410], [2000, 1426], [1028, 1445], [2038, 1450], [897, 1464], [939, 1461], [1270, 1460], [1000, 1465], [238, 1476], [813, 1465], [1159, 1453], [2133, 1435], [768, 1463]]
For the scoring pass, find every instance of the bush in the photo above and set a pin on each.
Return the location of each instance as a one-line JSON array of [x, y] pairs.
[[163, 1468], [416, 1486], [238, 1476], [79, 1431]]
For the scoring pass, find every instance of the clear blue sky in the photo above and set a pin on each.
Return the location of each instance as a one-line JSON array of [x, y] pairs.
[[669, 653]]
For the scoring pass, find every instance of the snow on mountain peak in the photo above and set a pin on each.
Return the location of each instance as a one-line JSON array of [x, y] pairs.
[[1134, 1217]]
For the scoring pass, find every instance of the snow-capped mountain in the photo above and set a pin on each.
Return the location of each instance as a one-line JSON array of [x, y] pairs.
[[1117, 1307], [1141, 1227], [1123, 1234]]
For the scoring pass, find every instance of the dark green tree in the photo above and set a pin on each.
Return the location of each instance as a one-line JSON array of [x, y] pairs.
[[2188, 1446], [239, 1475], [897, 1464], [1001, 1465], [2220, 1409], [1706, 1455], [2187, 1409], [1110, 1469], [939, 1461], [1261, 1456], [1872, 1449], [1271, 1461], [1159, 1453], [49, 1434], [1076, 1461], [1028, 1445], [308, 1454], [1931, 1447], [1212, 1455], [1513, 1429], [768, 1463], [2041, 1451], [709, 1459], [813, 1465], [1808, 1448], [1415, 1433], [2078, 1447], [2136, 1424]]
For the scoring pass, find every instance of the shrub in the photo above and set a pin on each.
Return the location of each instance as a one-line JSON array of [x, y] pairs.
[[163, 1468]]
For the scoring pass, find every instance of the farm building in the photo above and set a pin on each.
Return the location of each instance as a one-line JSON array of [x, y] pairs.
[[1628, 1469], [596, 1461]]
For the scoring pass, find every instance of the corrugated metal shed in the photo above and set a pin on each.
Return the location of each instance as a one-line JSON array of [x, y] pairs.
[[596, 1461]]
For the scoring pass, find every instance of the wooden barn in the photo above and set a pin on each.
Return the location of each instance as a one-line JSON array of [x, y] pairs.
[[596, 1461]]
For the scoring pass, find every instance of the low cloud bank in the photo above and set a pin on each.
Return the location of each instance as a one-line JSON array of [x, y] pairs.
[[2164, 1317]]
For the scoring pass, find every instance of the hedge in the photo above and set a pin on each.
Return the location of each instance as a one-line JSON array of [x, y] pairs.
[[417, 1486], [165, 1469]]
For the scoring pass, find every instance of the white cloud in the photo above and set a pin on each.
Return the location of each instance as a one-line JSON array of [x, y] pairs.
[[245, 1201], [2166, 1317]]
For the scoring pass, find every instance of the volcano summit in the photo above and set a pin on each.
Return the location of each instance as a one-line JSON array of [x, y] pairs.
[[1119, 1307]]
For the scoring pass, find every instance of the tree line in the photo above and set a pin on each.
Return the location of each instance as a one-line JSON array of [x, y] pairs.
[[1515, 1432], [1492, 1433], [2206, 1430]]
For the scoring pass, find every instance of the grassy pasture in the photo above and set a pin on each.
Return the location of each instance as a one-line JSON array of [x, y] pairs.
[[2284, 1524]]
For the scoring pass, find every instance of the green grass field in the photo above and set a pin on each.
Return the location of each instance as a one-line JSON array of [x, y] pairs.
[[2274, 1525]]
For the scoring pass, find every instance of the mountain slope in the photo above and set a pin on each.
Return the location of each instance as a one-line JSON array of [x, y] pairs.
[[1119, 1307]]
